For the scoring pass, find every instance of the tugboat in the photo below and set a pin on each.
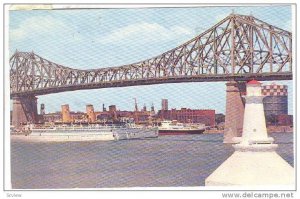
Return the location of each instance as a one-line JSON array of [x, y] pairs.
[[176, 128]]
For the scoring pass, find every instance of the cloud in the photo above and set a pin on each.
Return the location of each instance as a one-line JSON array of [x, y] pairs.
[[38, 26], [50, 28], [147, 32]]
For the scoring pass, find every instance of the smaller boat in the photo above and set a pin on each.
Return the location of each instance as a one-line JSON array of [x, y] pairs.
[[176, 128]]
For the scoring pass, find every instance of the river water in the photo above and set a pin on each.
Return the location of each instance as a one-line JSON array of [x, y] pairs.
[[168, 161]]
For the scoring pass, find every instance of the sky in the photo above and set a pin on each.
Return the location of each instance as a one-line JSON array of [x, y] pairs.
[[96, 38]]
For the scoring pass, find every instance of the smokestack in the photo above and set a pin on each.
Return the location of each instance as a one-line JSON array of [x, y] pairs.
[[135, 105], [90, 113]]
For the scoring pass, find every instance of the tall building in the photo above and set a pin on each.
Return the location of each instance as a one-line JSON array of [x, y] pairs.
[[276, 99], [185, 115], [112, 108], [42, 110], [164, 104]]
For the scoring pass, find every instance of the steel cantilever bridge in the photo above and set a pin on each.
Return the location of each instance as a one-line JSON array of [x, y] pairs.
[[238, 48]]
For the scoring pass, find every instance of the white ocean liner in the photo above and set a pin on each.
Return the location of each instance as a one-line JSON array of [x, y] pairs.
[[79, 133]]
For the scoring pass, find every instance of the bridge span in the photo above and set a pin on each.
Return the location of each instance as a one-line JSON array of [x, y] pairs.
[[236, 49]]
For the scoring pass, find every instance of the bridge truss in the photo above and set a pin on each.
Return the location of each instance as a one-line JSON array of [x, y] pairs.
[[239, 47]]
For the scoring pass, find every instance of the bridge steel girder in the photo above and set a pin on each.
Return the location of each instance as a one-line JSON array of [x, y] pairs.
[[237, 48], [36, 92]]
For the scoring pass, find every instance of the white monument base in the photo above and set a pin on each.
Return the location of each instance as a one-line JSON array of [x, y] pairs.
[[254, 165]]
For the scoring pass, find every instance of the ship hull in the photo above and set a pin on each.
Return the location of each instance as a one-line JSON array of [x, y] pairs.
[[72, 137], [180, 132], [90, 135]]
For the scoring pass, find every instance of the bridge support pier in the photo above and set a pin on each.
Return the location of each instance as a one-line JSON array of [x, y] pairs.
[[234, 110], [24, 110]]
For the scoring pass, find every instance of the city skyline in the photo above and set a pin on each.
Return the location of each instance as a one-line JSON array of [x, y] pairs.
[[99, 108], [86, 39]]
